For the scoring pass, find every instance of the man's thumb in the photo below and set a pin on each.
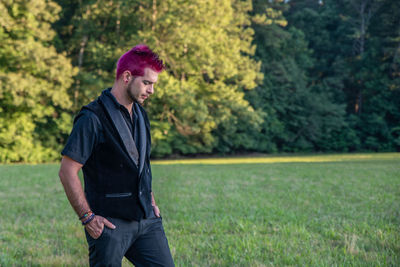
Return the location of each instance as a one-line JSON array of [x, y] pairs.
[[109, 224]]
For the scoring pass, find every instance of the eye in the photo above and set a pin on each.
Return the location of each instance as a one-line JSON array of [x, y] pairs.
[[146, 82]]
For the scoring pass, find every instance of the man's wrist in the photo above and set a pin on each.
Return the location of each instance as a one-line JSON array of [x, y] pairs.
[[89, 219], [85, 215]]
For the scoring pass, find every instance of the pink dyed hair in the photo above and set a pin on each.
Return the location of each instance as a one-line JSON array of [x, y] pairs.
[[137, 59]]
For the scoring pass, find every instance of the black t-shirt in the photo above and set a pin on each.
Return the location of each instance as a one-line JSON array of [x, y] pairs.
[[87, 132]]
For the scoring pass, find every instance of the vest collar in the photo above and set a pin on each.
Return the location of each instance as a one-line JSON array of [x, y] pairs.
[[142, 137], [113, 110]]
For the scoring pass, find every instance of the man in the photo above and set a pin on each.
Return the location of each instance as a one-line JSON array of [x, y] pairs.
[[110, 141]]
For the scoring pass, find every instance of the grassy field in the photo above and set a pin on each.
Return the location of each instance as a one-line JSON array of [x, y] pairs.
[[335, 210]]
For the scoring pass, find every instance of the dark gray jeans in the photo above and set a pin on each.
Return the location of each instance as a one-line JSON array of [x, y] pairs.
[[143, 243]]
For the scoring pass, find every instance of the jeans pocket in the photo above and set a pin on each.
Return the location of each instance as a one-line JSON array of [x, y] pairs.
[[90, 239]]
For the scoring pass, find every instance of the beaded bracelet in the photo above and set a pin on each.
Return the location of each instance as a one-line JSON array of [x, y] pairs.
[[85, 215], [89, 219]]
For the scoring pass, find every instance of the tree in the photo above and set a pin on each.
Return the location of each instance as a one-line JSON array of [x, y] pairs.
[[298, 114], [95, 34], [34, 79], [199, 103], [207, 48], [353, 46], [380, 116], [327, 37]]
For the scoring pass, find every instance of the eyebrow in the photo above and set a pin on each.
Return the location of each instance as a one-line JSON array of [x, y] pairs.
[[148, 81]]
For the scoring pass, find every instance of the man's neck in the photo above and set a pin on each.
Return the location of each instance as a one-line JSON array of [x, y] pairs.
[[120, 94]]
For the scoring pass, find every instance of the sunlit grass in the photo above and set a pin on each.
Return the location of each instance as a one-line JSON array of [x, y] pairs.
[[283, 159]]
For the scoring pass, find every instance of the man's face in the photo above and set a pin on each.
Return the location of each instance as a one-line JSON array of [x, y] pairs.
[[141, 87]]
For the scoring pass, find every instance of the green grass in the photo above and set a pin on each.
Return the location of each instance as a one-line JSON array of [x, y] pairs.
[[341, 213]]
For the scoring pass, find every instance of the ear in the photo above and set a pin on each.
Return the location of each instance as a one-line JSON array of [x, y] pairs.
[[126, 76]]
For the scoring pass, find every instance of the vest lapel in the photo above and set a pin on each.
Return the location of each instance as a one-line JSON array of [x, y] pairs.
[[121, 127], [142, 138]]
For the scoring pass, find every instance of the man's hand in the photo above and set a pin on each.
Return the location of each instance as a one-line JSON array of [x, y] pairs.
[[96, 226], [155, 207], [156, 211]]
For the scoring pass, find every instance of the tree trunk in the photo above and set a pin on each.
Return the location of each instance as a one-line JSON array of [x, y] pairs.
[[154, 16], [365, 9], [80, 62]]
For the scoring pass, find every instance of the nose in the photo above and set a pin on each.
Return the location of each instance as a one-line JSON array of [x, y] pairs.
[[150, 89]]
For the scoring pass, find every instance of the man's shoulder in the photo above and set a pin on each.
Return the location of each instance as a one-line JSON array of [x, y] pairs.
[[90, 113], [93, 106]]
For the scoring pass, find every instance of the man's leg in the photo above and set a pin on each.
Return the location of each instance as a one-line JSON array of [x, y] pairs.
[[110, 247], [151, 247]]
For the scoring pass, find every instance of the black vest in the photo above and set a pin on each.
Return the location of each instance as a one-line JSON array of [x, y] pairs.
[[113, 185]]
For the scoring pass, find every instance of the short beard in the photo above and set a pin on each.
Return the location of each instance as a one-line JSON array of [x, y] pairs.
[[131, 96]]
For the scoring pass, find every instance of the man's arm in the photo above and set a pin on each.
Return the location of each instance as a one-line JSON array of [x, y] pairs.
[[73, 189]]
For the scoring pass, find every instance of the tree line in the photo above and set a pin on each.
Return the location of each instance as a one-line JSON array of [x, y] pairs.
[[242, 76]]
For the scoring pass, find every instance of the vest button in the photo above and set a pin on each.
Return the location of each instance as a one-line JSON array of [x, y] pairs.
[[140, 192]]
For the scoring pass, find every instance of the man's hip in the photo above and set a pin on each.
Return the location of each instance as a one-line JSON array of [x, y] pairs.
[[143, 243]]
